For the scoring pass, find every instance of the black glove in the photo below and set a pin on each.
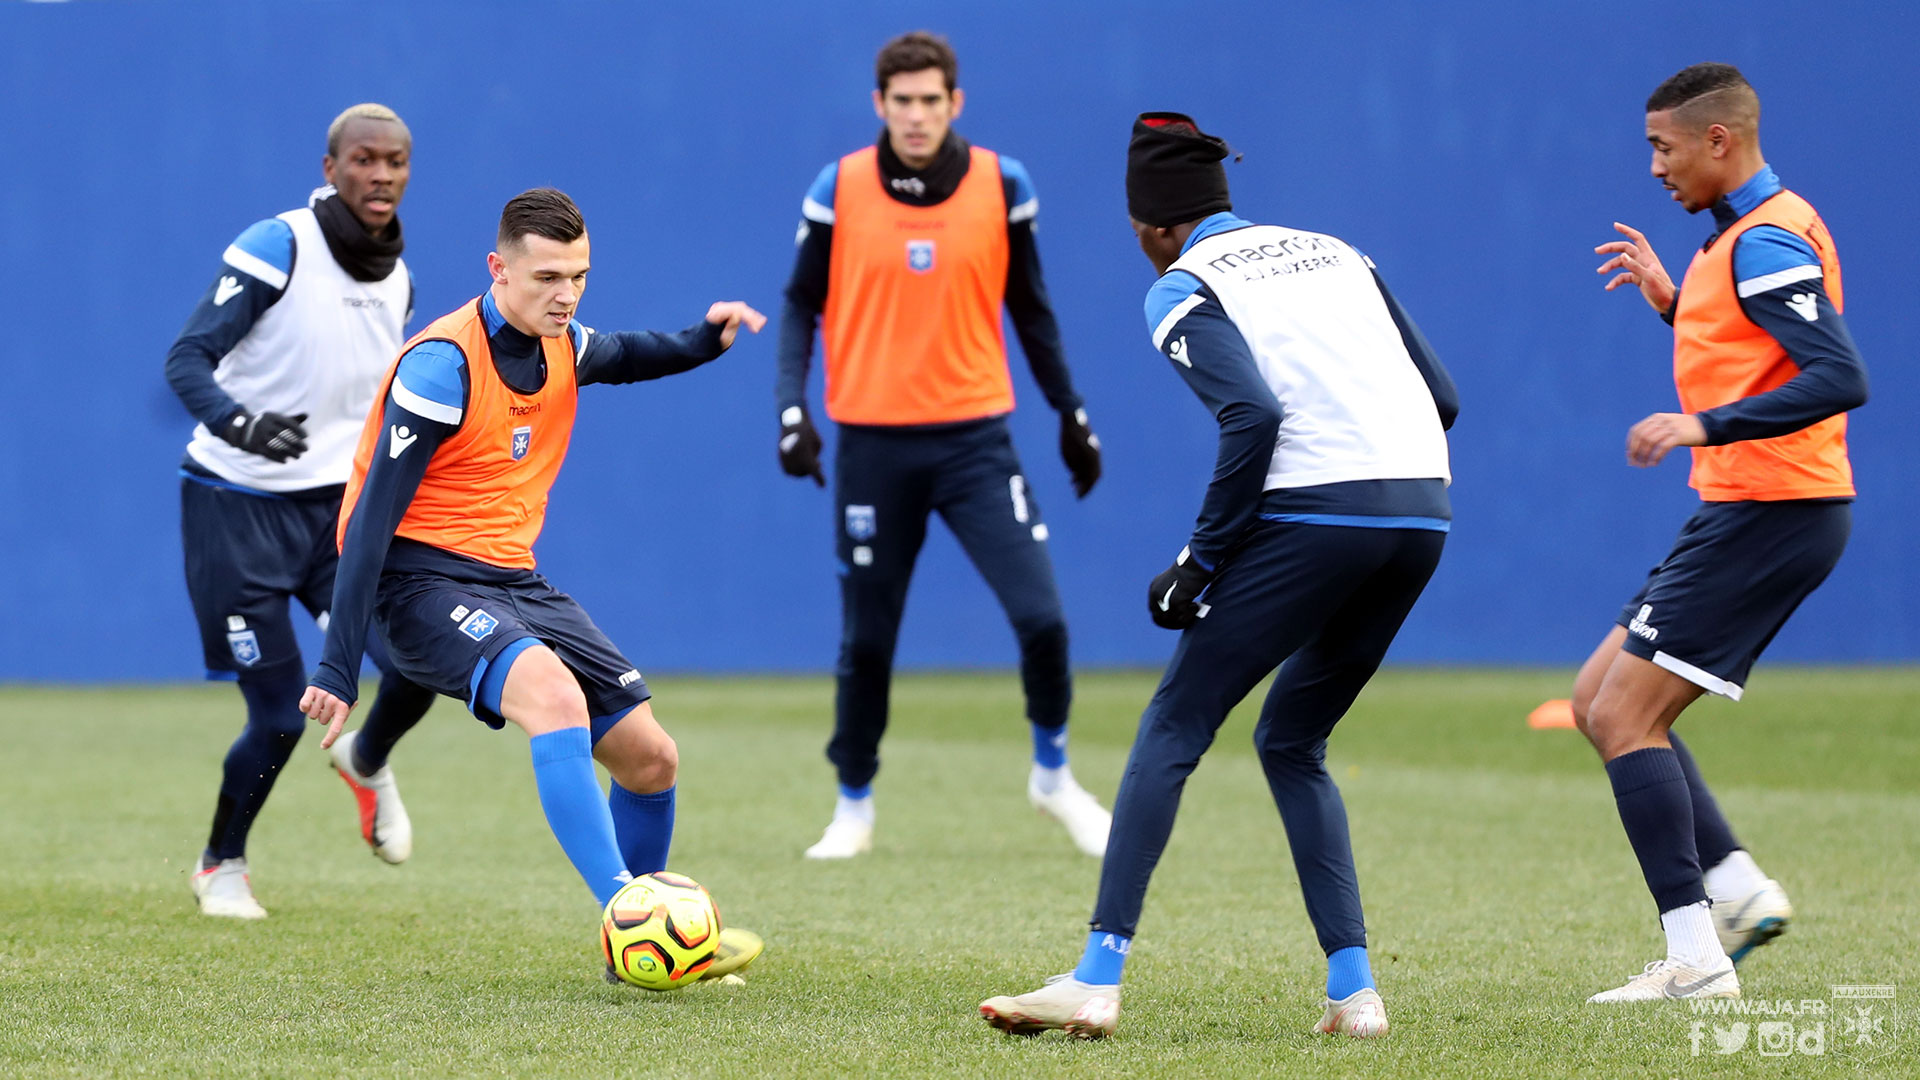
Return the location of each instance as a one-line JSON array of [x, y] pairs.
[[800, 445], [1173, 598], [1080, 449], [273, 436]]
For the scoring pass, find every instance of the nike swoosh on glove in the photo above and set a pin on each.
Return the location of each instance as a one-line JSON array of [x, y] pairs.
[[1174, 597]]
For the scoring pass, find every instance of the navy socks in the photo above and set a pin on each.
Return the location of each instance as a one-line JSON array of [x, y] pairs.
[[1650, 789], [397, 707], [274, 724], [1712, 836]]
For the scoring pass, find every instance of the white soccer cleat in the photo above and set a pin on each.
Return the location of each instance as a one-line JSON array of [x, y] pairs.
[[845, 837], [1071, 805], [1672, 980], [1750, 922], [224, 891], [1066, 1003], [1360, 1014], [384, 824]]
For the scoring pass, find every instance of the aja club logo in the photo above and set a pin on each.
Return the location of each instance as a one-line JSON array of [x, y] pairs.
[[522, 442], [919, 256]]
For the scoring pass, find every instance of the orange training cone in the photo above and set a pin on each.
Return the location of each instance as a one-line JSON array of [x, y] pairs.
[[1557, 713]]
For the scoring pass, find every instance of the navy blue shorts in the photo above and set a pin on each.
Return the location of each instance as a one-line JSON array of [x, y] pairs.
[[1737, 572], [447, 634], [247, 554]]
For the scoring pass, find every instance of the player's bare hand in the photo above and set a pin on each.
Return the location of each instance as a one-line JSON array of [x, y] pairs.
[[729, 314], [1650, 439], [1637, 265], [323, 708]]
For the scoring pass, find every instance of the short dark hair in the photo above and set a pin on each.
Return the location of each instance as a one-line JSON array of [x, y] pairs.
[[543, 212], [916, 50], [1709, 94]]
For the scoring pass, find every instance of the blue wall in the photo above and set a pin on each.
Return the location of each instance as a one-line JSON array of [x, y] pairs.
[[1478, 150]]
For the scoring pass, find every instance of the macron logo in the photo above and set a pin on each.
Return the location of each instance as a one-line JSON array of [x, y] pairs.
[[1805, 305], [401, 439], [1177, 352], [1638, 624], [228, 288]]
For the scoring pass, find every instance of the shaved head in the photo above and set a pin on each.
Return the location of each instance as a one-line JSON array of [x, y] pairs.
[[1707, 94]]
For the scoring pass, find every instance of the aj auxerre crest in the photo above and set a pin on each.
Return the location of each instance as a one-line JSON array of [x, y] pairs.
[[522, 442], [245, 646], [860, 522], [919, 256]]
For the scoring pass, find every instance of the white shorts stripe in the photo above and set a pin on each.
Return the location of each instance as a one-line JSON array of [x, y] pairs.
[[1707, 681], [419, 406], [1173, 318], [255, 266], [1767, 282]]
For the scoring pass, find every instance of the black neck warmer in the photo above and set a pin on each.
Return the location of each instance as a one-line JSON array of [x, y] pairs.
[[929, 186], [363, 255], [1174, 173]]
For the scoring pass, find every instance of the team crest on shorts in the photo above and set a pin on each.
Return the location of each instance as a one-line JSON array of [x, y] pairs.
[[860, 522], [522, 442], [479, 625], [245, 646], [919, 256]]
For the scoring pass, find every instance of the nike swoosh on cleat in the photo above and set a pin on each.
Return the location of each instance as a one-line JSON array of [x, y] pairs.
[[1677, 989]]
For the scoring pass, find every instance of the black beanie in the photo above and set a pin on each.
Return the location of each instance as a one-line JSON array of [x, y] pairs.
[[1174, 173]]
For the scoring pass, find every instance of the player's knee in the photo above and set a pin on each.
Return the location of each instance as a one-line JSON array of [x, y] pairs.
[[1041, 636], [862, 654], [1610, 726], [1292, 753], [551, 699], [647, 764]]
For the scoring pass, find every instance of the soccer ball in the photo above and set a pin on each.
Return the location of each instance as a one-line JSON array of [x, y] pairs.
[[660, 931]]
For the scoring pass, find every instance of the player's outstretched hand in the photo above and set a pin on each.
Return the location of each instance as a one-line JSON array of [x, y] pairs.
[[1650, 439], [1174, 597], [1637, 265], [273, 436], [323, 708], [1080, 449], [800, 445], [729, 314]]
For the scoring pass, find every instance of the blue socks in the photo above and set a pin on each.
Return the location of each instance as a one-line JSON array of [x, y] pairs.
[[274, 725], [1348, 972], [1106, 954], [1656, 807], [1049, 746], [643, 824], [578, 816]]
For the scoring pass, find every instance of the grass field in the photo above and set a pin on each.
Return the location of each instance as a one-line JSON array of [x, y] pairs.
[[1499, 888]]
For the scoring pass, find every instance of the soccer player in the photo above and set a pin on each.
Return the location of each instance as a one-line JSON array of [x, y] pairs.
[[448, 494], [1325, 518], [1765, 370], [907, 251], [279, 363]]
